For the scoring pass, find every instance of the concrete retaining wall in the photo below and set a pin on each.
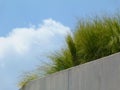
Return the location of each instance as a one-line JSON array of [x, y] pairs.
[[102, 74]]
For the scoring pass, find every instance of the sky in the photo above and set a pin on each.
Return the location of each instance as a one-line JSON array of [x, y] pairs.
[[32, 29]]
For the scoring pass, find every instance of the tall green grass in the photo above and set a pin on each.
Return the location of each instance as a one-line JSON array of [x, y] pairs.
[[26, 78], [92, 39]]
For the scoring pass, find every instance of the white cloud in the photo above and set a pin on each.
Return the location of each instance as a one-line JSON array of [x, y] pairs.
[[23, 40], [23, 49]]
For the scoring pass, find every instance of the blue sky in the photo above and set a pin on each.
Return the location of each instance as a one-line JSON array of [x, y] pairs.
[[30, 29]]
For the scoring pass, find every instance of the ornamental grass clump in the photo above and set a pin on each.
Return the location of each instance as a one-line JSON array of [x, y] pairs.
[[92, 39]]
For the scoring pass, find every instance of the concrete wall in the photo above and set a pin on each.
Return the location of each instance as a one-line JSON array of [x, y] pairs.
[[102, 74]]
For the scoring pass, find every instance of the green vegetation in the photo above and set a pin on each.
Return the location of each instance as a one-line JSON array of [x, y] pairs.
[[92, 39], [26, 78]]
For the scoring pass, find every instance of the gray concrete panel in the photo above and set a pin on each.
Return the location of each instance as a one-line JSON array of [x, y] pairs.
[[39, 84], [101, 74], [85, 77], [57, 81], [111, 73]]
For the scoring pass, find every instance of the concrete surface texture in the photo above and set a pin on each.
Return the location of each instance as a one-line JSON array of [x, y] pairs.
[[101, 74]]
